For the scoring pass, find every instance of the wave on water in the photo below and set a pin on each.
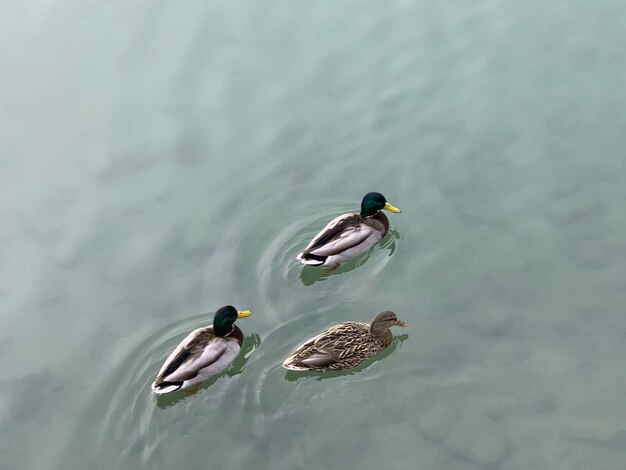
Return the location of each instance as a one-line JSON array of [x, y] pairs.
[[132, 420]]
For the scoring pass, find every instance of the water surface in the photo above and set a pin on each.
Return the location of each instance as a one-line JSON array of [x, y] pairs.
[[159, 160]]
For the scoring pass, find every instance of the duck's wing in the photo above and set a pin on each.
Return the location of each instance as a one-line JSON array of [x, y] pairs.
[[341, 234], [198, 350]]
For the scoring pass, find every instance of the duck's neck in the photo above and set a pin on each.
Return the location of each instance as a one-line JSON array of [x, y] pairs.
[[223, 330], [382, 338], [379, 221], [236, 334], [366, 212]]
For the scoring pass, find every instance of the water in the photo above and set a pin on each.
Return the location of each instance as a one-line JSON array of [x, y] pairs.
[[160, 160]]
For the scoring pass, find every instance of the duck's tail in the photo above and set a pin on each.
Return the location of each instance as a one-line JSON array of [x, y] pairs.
[[290, 364], [311, 259], [166, 387]]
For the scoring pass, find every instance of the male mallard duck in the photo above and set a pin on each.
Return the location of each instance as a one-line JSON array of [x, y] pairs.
[[349, 235], [203, 353], [345, 345]]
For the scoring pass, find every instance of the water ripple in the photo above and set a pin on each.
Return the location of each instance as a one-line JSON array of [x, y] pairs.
[[279, 277], [275, 388], [132, 415]]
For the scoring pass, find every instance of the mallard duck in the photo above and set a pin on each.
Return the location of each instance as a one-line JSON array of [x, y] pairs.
[[349, 235], [205, 352], [345, 345]]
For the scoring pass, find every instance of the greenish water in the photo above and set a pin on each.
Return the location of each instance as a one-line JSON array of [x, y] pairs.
[[159, 160]]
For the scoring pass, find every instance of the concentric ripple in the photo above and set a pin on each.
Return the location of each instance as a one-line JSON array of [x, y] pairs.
[[134, 424], [277, 389], [280, 278], [132, 418]]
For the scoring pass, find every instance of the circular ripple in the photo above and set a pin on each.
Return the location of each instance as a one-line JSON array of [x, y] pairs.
[[134, 421], [279, 277], [276, 391]]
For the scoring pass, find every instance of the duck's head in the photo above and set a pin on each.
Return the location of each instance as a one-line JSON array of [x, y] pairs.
[[383, 321], [225, 317], [374, 202]]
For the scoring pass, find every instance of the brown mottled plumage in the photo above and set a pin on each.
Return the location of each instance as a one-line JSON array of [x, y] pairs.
[[345, 345]]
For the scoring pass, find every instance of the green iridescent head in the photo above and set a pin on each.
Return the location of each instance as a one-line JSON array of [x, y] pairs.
[[374, 202], [225, 317]]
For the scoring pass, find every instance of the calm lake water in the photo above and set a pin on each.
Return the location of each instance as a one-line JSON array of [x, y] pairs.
[[159, 160]]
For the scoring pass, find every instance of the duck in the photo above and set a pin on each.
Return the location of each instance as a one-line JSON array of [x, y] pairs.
[[345, 345], [349, 235], [204, 352]]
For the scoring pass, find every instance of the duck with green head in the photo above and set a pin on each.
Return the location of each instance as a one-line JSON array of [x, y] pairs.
[[349, 235], [205, 352]]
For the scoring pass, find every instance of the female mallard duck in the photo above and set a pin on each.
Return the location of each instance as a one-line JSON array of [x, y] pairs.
[[345, 345], [349, 235], [203, 353]]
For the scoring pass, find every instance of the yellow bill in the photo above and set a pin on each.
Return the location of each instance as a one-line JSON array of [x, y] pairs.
[[243, 313], [389, 207]]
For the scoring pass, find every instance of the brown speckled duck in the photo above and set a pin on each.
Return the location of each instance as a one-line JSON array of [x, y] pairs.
[[345, 345]]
